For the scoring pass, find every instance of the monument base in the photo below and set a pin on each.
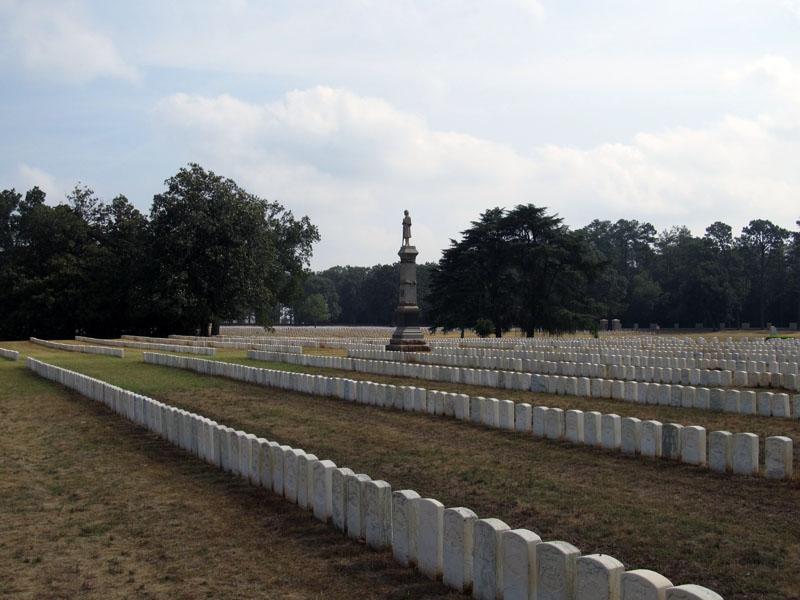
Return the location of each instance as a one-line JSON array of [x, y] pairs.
[[403, 345]]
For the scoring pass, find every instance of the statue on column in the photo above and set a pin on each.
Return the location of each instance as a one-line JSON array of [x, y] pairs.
[[407, 336], [406, 229]]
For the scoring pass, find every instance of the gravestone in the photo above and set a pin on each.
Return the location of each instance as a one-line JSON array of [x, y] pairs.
[[457, 547]]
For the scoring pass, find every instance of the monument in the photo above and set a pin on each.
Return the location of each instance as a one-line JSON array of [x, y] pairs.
[[407, 336]]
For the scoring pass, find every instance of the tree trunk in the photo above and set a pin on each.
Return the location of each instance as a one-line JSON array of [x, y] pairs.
[[498, 332], [214, 326], [462, 333]]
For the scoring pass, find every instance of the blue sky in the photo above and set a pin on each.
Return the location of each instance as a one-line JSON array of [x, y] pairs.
[[672, 112]]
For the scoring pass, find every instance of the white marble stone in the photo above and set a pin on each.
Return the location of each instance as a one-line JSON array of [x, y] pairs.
[[556, 564], [778, 457], [523, 415], [378, 514], [573, 426], [487, 557], [457, 547], [631, 435], [290, 468], [554, 424], [598, 577], [355, 505], [277, 461], [781, 405], [339, 497], [490, 414], [693, 445], [538, 423], [720, 451], [323, 489], [745, 454], [404, 526], [651, 439], [642, 584], [305, 480], [691, 592], [518, 547], [592, 428], [611, 431], [506, 415], [671, 441], [430, 515], [764, 404], [747, 402]]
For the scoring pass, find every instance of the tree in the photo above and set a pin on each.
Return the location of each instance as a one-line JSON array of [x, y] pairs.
[[520, 267], [223, 252], [314, 309], [763, 245]]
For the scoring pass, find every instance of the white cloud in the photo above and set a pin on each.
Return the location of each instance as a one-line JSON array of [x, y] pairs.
[[353, 163], [29, 177], [776, 73], [56, 40]]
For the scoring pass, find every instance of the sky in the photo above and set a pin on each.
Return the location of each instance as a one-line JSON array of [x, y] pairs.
[[675, 112]]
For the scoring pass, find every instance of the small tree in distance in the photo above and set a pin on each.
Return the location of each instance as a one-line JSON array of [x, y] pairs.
[[484, 327]]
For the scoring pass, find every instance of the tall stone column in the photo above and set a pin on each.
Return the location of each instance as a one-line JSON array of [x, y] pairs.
[[407, 336]]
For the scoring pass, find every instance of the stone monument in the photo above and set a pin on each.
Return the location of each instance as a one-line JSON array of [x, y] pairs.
[[407, 336]]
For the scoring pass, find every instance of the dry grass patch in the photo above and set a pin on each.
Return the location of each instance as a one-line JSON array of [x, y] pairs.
[[93, 507]]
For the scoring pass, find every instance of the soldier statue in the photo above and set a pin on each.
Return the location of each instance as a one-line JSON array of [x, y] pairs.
[[406, 229]]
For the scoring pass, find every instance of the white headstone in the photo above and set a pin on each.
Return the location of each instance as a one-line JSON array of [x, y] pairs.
[[651, 439], [355, 505], [556, 562], [430, 514], [642, 584], [487, 566], [693, 445], [323, 489], [457, 547], [745, 454], [519, 563], [691, 592], [720, 451], [631, 432], [611, 431], [339, 497], [778, 457], [598, 577], [378, 514]]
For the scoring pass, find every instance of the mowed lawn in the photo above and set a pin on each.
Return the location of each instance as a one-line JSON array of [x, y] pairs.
[[738, 536], [93, 507]]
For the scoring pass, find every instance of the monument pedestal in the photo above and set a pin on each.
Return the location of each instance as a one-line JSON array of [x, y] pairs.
[[407, 336]]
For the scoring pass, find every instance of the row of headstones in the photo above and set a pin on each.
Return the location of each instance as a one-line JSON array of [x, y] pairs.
[[642, 358], [720, 451], [116, 352], [9, 354], [484, 555], [718, 399], [697, 360], [149, 346], [670, 344], [214, 343], [684, 376], [237, 344]]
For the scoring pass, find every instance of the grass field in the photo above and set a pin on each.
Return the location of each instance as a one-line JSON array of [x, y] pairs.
[[181, 528]]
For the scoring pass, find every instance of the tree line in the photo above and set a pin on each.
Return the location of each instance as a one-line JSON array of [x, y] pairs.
[[525, 268], [207, 252]]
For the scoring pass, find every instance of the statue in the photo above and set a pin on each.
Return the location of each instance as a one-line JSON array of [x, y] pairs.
[[406, 229]]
